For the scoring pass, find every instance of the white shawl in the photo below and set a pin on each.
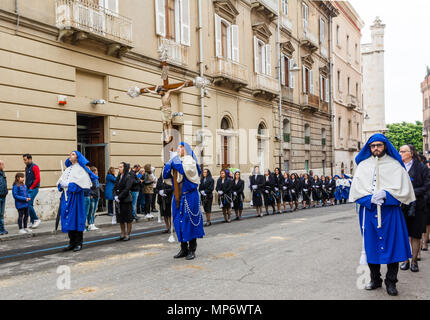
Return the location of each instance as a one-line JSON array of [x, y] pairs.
[[75, 174], [393, 178]]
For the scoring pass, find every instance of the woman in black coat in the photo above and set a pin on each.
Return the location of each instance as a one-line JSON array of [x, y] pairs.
[[269, 186], [331, 187], [295, 188], [286, 197], [237, 194], [223, 187], [206, 188], [164, 200], [415, 212], [306, 191], [277, 188], [122, 195], [316, 191], [324, 190], [256, 184]]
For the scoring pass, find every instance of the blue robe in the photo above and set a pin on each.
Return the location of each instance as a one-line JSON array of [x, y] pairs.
[[73, 210], [390, 243], [188, 225], [338, 193]]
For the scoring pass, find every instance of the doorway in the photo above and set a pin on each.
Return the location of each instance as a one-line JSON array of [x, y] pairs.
[[91, 142]]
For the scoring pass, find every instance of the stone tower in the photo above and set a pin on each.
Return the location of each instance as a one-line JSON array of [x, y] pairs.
[[372, 55]]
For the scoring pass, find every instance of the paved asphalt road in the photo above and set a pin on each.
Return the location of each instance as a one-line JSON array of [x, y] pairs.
[[309, 254]]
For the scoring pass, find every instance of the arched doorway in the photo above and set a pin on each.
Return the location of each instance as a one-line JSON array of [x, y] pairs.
[[225, 125]]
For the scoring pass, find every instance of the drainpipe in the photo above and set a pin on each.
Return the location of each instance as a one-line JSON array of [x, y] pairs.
[[279, 85], [330, 71], [202, 90], [18, 16]]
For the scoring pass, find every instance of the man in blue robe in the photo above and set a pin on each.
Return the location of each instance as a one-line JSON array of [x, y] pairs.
[[346, 187], [72, 183], [381, 180], [187, 217]]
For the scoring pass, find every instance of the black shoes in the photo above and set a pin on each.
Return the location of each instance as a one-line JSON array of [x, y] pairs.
[[69, 248], [184, 251], [414, 267], [405, 265], [77, 248], [191, 255], [391, 289], [373, 285]]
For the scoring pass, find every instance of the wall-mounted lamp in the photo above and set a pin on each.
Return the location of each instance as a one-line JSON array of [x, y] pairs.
[[98, 101]]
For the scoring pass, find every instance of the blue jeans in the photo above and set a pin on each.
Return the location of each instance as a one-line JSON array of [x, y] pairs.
[[87, 204], [32, 194], [2, 207], [134, 196], [94, 203], [141, 203]]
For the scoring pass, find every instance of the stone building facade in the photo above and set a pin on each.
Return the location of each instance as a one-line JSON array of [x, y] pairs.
[[425, 89], [88, 53]]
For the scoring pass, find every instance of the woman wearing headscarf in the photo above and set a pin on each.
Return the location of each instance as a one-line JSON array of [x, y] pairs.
[[223, 187], [206, 189], [338, 190], [277, 188], [256, 184], [316, 191], [286, 197], [306, 191], [164, 200], [123, 198], [237, 194], [269, 185], [294, 188], [72, 183]]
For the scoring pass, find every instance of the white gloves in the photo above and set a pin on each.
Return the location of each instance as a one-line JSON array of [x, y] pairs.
[[284, 188], [203, 193], [379, 197], [254, 187], [267, 191], [116, 199], [161, 193], [235, 193], [220, 192], [276, 189]]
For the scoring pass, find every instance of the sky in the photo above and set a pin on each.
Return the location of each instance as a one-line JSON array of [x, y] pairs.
[[407, 52]]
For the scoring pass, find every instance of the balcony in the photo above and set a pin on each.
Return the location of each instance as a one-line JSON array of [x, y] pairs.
[[309, 41], [176, 52], [309, 102], [83, 19], [352, 102], [286, 23], [265, 86], [287, 94], [268, 8], [324, 106], [228, 73], [352, 145]]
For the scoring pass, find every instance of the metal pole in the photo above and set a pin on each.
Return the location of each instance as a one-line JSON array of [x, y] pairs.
[[202, 90], [280, 86]]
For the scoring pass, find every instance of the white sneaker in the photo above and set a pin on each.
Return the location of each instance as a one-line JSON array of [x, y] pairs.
[[28, 230], [22, 231], [147, 216], [35, 224], [150, 216], [30, 225], [94, 227]]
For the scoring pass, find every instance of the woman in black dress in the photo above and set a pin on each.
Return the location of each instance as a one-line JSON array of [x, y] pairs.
[[269, 185], [122, 195], [238, 196], [164, 200], [256, 184], [223, 187], [206, 188], [316, 191], [294, 188], [277, 188], [306, 191], [415, 212], [286, 197], [324, 190]]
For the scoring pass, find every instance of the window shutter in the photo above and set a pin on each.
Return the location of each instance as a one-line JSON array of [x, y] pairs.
[[160, 17], [304, 78], [305, 16], [321, 88], [311, 81], [263, 62], [218, 41], [235, 42], [178, 21], [282, 69], [185, 22], [268, 60], [229, 41], [111, 5], [256, 60], [326, 90], [291, 74], [322, 31]]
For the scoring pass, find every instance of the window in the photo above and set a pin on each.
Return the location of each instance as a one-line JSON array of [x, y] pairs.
[[286, 130], [307, 134], [226, 39], [287, 77], [322, 30], [338, 35], [339, 127], [305, 16], [173, 20], [323, 137], [324, 88], [262, 57], [356, 90], [338, 81], [349, 129], [348, 85], [347, 44], [356, 52], [284, 6], [308, 80], [111, 5], [286, 165], [358, 131], [306, 165]]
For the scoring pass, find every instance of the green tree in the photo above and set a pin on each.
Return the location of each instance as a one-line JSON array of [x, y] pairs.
[[406, 133]]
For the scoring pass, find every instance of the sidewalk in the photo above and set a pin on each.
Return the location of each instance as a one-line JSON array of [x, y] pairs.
[[102, 221]]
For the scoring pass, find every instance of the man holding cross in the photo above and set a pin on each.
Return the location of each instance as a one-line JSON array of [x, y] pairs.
[[183, 171], [381, 183]]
